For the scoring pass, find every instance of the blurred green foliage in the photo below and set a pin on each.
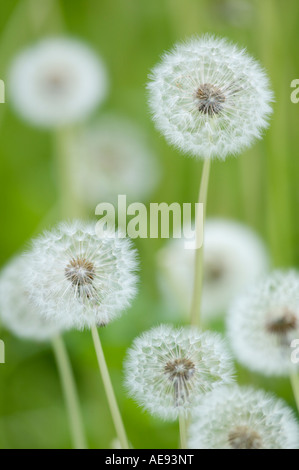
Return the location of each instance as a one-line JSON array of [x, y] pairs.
[[259, 188]]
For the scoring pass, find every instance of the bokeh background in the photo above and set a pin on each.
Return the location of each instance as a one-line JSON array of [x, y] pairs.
[[259, 188]]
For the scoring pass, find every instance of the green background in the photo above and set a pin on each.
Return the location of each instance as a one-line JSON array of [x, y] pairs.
[[259, 188]]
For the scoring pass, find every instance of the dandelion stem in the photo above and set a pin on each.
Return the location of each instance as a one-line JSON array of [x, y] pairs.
[[183, 431], [198, 271], [116, 416], [294, 377], [70, 205], [70, 393]]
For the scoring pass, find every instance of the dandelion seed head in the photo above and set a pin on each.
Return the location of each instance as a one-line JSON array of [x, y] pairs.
[[17, 312], [234, 256], [74, 273], [233, 417], [56, 82], [167, 369], [209, 98], [112, 157], [263, 321]]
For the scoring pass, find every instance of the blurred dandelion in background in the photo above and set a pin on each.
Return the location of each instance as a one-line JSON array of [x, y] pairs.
[[17, 311], [57, 82], [209, 98], [168, 369], [234, 256], [110, 157], [235, 417], [263, 321], [74, 274]]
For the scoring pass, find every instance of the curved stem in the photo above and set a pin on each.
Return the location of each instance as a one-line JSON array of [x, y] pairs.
[[198, 268], [70, 393], [115, 413], [294, 377]]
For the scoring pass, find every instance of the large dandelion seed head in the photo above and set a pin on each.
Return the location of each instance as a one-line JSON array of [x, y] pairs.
[[75, 274], [57, 82], [263, 322], [234, 256], [17, 312], [168, 369], [209, 98], [233, 417], [112, 157]]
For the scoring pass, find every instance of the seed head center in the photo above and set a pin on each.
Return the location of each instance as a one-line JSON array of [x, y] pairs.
[[80, 271], [243, 437], [214, 271], [283, 324], [209, 99], [179, 369]]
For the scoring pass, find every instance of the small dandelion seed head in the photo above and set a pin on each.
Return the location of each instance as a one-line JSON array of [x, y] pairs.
[[234, 256], [167, 369], [112, 157], [209, 98], [17, 312], [73, 273], [263, 321], [56, 82], [233, 417]]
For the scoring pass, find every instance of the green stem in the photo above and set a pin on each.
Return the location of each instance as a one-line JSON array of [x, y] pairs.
[[116, 416], [70, 393], [70, 205], [198, 270], [294, 377], [183, 431]]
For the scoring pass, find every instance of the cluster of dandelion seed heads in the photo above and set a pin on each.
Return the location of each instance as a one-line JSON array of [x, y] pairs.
[[233, 417], [17, 312], [167, 369], [209, 98], [112, 157], [234, 256], [87, 280], [57, 81], [263, 321]]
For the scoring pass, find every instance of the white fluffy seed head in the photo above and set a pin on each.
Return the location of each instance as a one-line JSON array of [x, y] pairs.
[[168, 369], [56, 82], [209, 98], [263, 321], [112, 157], [17, 312], [233, 257], [73, 273], [233, 417]]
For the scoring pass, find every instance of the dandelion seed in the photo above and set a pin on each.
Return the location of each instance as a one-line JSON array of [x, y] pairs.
[[17, 312], [85, 279], [209, 98], [111, 157], [57, 82], [233, 417], [263, 321], [233, 257], [168, 369]]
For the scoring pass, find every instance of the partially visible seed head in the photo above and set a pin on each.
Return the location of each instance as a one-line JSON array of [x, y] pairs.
[[263, 321], [80, 271], [234, 417], [242, 437], [210, 99]]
